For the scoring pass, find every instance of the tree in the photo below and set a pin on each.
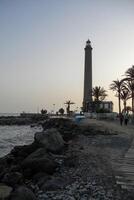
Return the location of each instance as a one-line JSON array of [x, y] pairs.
[[99, 93], [117, 87], [68, 103], [130, 73], [125, 95], [61, 111], [130, 83], [43, 112]]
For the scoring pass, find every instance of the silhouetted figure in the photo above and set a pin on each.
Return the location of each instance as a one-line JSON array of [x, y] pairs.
[[126, 118], [68, 103], [121, 117]]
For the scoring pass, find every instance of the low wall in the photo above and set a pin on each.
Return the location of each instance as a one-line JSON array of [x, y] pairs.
[[110, 116]]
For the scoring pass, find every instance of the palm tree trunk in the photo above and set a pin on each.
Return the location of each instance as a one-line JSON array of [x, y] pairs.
[[124, 105], [119, 104], [133, 102]]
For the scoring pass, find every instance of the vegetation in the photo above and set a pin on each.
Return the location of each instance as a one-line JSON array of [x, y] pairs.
[[43, 112], [130, 83], [117, 86], [61, 111], [125, 90], [99, 94], [68, 103], [125, 95]]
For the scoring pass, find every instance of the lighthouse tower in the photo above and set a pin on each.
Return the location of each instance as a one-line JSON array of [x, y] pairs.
[[87, 99]]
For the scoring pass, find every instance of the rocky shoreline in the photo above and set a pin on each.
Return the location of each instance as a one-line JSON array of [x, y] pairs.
[[22, 119], [65, 162]]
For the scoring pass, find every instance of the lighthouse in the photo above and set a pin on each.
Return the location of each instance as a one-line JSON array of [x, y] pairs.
[[87, 97]]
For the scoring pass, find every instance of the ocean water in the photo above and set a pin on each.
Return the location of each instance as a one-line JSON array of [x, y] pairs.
[[11, 136], [9, 114]]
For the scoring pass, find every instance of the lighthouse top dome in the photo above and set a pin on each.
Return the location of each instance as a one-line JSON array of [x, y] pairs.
[[88, 43]]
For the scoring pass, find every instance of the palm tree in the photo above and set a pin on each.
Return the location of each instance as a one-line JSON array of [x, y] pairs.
[[130, 73], [125, 95], [130, 83], [117, 87], [68, 103], [99, 93]]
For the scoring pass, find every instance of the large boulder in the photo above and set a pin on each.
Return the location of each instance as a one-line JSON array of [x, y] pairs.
[[50, 139], [39, 161], [21, 152], [22, 193], [5, 191], [40, 178], [13, 178]]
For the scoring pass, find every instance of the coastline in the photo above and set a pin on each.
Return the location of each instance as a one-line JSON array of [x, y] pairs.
[[82, 164], [22, 119]]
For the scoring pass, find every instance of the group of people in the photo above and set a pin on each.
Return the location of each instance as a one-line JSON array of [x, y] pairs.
[[124, 118]]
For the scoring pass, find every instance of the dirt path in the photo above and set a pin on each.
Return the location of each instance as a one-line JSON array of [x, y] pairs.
[[113, 126], [123, 162]]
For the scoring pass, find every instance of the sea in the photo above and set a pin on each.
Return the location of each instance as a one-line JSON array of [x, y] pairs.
[[11, 136], [9, 114]]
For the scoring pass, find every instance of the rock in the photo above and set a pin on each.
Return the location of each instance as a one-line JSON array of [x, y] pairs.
[[71, 161], [22, 193], [23, 151], [5, 191], [53, 184], [41, 178], [67, 135], [50, 139], [13, 178], [15, 168], [27, 173], [56, 123], [39, 161]]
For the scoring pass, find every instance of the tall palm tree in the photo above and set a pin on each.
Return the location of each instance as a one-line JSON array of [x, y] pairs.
[[117, 87], [130, 83], [99, 93], [130, 73], [125, 95]]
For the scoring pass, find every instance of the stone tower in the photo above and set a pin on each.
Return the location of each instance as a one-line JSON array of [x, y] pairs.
[[87, 99]]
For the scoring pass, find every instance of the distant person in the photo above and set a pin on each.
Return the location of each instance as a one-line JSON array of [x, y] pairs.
[[126, 118], [121, 117]]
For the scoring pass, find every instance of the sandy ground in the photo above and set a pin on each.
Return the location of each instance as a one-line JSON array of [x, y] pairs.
[[114, 140], [111, 125]]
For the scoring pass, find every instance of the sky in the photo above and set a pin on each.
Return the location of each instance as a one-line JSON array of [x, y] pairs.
[[42, 50]]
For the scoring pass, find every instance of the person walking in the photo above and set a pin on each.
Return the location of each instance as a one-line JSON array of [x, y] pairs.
[[126, 118]]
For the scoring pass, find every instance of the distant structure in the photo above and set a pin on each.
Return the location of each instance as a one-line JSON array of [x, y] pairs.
[[87, 99], [88, 104], [104, 106], [107, 105]]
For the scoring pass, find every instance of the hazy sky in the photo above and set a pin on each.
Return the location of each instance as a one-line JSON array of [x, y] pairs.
[[42, 49]]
